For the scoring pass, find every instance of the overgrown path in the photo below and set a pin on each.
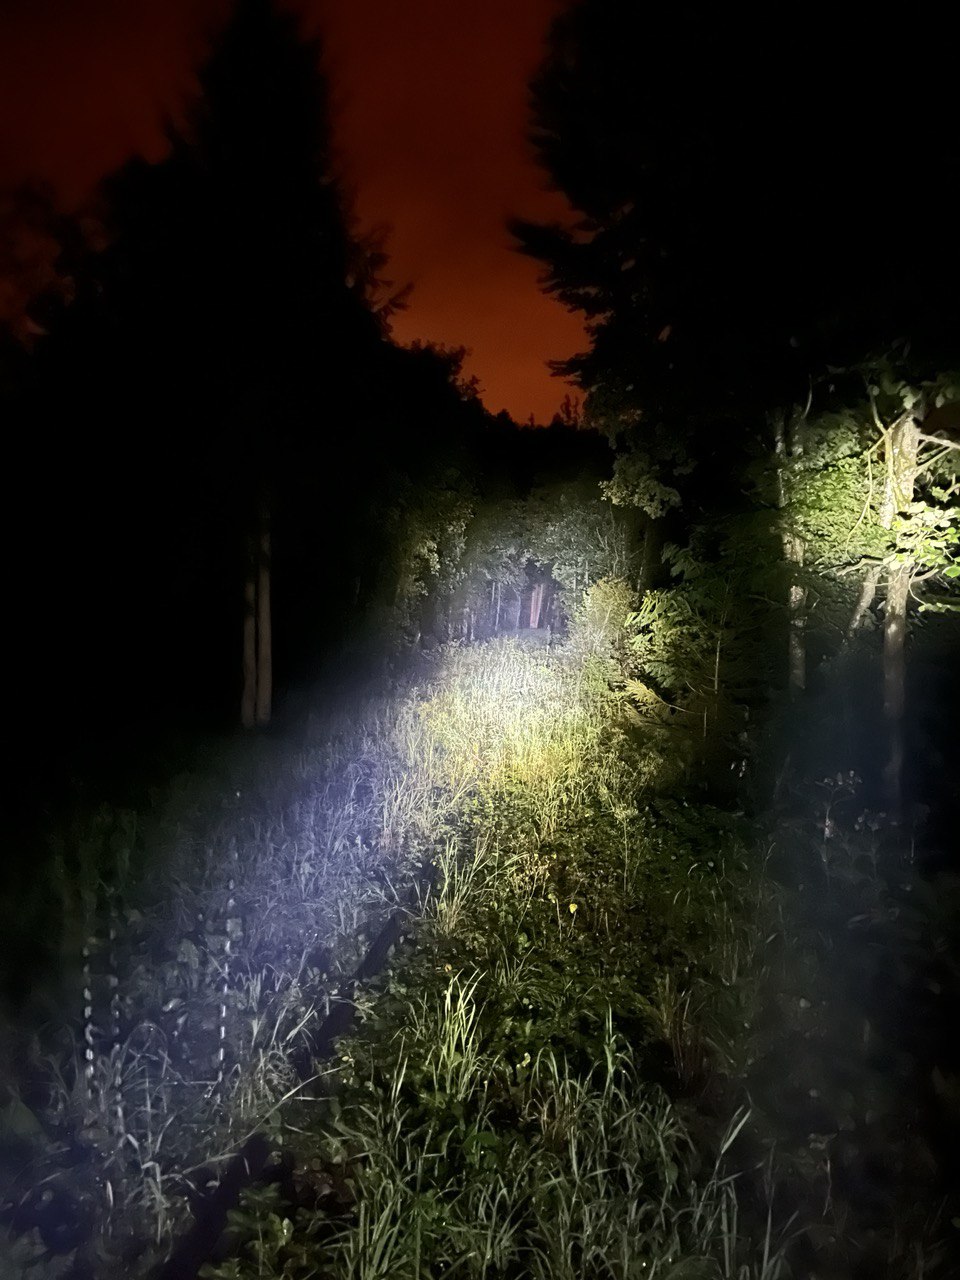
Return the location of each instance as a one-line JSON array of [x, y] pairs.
[[627, 1035]]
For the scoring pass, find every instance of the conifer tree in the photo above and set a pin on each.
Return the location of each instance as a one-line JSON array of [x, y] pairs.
[[720, 166], [223, 342], [747, 194]]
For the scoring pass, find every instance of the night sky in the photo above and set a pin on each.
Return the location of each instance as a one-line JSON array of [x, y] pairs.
[[431, 118]]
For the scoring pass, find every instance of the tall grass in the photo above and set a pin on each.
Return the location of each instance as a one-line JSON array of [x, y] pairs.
[[597, 1185], [508, 719], [475, 1143], [484, 1146], [221, 924]]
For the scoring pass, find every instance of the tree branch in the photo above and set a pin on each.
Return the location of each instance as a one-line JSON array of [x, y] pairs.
[[944, 444]]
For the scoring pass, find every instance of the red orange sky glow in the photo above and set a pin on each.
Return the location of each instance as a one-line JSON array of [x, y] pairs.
[[431, 121]]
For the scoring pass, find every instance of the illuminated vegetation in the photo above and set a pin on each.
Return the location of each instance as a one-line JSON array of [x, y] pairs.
[[614, 1023], [529, 957], [593, 917]]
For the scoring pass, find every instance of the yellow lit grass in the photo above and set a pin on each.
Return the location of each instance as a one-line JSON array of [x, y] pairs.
[[502, 718]]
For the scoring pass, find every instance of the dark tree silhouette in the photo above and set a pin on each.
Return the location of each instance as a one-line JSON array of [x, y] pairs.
[[759, 194], [221, 349], [764, 204]]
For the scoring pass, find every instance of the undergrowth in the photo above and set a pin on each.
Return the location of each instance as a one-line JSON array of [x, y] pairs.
[[614, 1045]]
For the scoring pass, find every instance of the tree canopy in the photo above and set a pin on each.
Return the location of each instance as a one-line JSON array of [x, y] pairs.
[[758, 194]]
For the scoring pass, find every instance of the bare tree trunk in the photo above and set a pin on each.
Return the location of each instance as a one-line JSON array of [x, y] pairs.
[[516, 621], [264, 622], [248, 697], [496, 623], [536, 603], [902, 442]]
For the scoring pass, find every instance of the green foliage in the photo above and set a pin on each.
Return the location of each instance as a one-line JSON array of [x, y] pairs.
[[700, 651], [575, 534], [425, 528], [500, 1116], [561, 530], [598, 623], [843, 503], [831, 494], [264, 1240], [648, 473]]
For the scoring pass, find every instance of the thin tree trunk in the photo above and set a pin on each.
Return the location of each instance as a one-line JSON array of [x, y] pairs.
[[264, 622], [536, 602], [902, 441]]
